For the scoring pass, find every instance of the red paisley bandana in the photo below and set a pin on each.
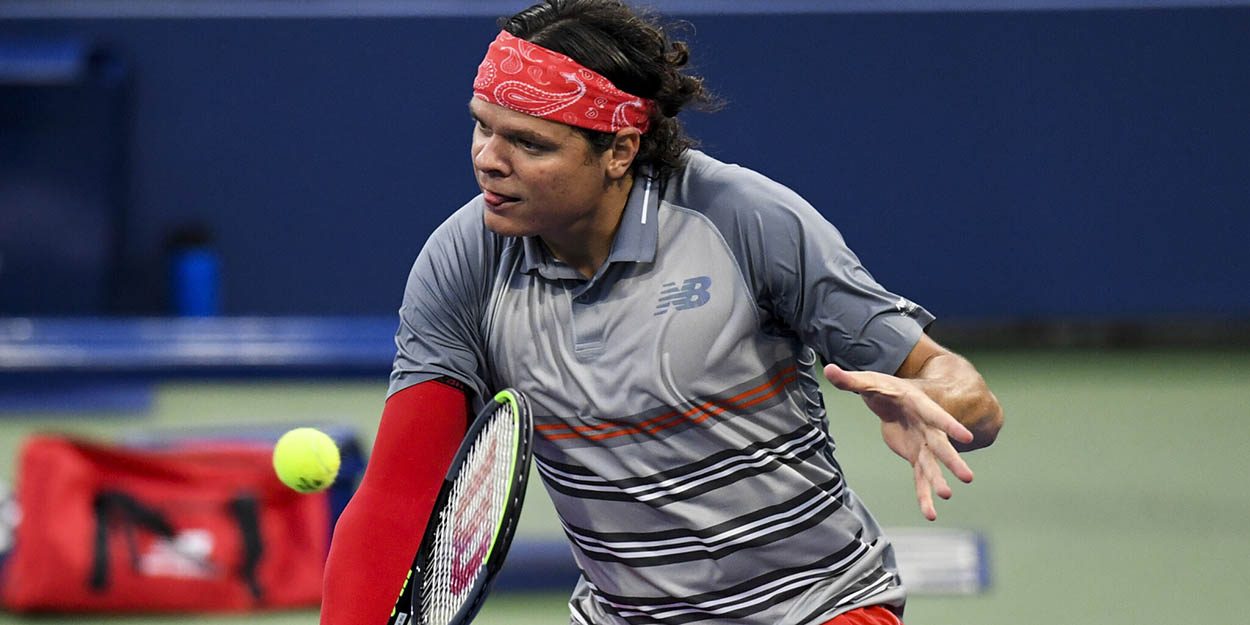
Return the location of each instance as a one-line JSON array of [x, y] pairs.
[[530, 79]]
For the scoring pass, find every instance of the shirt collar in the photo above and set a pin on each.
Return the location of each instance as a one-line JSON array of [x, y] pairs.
[[635, 239]]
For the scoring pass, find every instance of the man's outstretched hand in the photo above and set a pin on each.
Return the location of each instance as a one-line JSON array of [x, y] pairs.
[[914, 426]]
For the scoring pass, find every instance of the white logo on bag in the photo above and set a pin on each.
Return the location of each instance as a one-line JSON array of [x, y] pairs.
[[187, 556]]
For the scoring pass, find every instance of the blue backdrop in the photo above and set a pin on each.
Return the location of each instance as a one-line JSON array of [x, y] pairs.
[[1074, 164]]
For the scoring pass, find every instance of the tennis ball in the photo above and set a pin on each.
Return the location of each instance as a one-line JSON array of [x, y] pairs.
[[306, 459]]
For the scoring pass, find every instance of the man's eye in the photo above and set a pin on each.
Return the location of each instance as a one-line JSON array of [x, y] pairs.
[[531, 146]]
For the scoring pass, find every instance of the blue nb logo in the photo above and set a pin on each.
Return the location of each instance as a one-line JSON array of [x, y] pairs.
[[692, 293]]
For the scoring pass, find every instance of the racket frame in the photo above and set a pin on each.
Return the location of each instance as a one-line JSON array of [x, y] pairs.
[[505, 529]]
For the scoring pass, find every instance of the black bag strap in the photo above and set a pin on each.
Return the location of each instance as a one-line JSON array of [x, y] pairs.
[[108, 503], [245, 509]]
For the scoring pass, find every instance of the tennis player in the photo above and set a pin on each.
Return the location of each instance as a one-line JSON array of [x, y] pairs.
[[663, 311]]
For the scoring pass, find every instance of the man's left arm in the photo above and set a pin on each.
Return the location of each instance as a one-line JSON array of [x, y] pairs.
[[935, 406], [951, 381]]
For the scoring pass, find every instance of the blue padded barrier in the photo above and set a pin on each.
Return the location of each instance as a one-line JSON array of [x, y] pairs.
[[185, 347]]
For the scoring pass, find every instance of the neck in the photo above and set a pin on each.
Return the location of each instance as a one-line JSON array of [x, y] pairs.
[[586, 246]]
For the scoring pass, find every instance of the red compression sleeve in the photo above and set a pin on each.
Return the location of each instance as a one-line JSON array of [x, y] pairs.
[[378, 533]]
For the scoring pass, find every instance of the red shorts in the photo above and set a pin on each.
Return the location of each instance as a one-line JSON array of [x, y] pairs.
[[871, 615]]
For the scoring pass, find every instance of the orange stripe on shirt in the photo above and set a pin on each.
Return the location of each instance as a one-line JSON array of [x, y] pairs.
[[710, 408], [606, 426]]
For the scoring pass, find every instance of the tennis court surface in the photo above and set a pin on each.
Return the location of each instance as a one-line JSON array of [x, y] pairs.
[[1115, 493]]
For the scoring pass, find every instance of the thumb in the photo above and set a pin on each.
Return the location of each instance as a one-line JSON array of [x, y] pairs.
[[843, 380]]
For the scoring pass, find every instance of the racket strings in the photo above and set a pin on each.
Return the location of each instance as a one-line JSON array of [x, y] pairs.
[[468, 523]]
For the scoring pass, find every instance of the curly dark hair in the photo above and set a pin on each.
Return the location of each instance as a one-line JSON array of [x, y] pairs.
[[634, 51]]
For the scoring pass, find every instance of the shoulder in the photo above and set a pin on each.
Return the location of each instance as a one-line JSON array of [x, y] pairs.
[[463, 234], [747, 207], [727, 192], [460, 249], [463, 224]]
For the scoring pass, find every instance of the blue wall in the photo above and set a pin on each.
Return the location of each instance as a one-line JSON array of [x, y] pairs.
[[1089, 164]]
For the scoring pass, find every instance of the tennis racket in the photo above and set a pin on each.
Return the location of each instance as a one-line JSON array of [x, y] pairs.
[[473, 520]]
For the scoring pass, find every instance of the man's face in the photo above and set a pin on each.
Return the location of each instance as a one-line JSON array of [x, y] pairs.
[[538, 177]]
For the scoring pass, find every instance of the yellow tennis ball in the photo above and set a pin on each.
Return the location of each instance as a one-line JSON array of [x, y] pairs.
[[306, 459]]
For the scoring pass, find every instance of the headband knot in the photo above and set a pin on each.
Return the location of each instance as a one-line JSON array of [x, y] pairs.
[[531, 79]]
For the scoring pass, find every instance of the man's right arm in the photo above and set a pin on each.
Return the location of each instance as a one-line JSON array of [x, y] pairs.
[[435, 373], [378, 533]]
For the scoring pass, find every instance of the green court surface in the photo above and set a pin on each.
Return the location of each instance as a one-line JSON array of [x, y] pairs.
[[1115, 494]]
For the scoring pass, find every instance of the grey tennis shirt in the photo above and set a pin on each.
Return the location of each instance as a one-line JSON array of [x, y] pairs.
[[680, 430]]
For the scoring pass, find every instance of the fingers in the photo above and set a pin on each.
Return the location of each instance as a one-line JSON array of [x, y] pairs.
[[915, 426], [929, 478], [840, 379], [953, 461], [938, 481], [924, 494], [956, 430], [853, 381], [933, 413]]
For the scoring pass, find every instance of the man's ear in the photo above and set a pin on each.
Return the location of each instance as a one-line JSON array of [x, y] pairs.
[[621, 154]]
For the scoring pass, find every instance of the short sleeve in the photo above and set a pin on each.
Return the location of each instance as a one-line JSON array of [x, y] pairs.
[[827, 296], [439, 330], [806, 280]]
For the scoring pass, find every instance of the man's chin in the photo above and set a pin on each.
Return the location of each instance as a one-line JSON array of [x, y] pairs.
[[505, 227]]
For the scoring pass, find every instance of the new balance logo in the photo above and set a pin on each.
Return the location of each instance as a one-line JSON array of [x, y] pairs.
[[692, 293]]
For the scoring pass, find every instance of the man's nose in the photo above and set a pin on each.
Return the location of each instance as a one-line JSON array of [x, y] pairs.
[[490, 156]]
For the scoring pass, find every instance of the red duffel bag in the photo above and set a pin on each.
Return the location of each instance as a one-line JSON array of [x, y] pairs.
[[207, 528]]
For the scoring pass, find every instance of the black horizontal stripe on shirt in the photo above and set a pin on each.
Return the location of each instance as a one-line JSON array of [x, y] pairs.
[[684, 482], [738, 601], [782, 520]]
